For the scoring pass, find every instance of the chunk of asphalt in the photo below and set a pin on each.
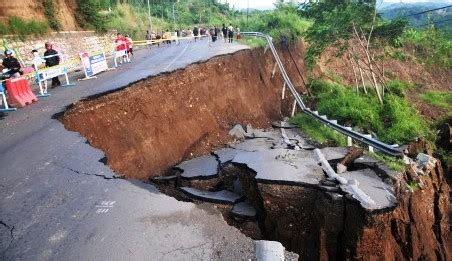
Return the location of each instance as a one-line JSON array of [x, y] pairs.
[[282, 166], [226, 154], [203, 167], [269, 250], [221, 197], [380, 192], [257, 133], [334, 153], [283, 125], [244, 210], [237, 132], [254, 144]]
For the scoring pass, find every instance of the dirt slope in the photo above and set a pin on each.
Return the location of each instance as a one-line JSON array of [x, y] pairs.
[[33, 9], [153, 124]]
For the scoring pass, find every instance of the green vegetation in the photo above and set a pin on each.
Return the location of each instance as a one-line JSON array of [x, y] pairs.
[[431, 46], [50, 13], [393, 163], [440, 99], [393, 122], [412, 186], [318, 132], [22, 28], [282, 21], [253, 42], [89, 15]]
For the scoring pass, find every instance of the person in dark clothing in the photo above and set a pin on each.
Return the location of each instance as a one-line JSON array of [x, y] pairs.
[[52, 61], [195, 32], [224, 30], [12, 64], [230, 33]]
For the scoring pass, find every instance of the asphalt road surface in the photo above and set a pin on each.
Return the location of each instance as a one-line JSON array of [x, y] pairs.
[[58, 202]]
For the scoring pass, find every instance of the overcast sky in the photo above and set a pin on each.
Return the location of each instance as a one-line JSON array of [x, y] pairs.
[[266, 4]]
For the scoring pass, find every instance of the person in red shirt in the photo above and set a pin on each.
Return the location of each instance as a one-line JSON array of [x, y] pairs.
[[121, 45], [129, 44]]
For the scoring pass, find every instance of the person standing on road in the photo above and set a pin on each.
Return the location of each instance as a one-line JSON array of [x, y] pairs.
[[120, 46], [52, 59], [230, 33], [148, 37], [195, 32], [224, 30], [129, 44]]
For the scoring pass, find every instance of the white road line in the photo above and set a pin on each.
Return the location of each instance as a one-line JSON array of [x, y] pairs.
[[177, 57]]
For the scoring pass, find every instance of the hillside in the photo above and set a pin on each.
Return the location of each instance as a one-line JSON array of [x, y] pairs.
[[441, 18], [34, 10]]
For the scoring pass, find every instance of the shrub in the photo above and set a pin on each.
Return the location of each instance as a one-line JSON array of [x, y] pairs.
[[399, 88], [50, 13], [431, 46], [393, 122], [89, 16], [22, 28]]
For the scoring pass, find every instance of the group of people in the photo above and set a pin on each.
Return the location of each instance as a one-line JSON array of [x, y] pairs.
[[124, 43], [214, 32], [14, 68]]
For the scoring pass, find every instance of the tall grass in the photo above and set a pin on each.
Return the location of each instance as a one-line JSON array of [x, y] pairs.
[[23, 28], [432, 46], [393, 122]]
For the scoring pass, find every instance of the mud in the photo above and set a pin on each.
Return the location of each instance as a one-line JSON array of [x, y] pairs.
[[153, 124]]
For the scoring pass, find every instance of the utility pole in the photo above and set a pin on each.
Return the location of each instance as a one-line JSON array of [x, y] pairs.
[[247, 11], [149, 14], [174, 15]]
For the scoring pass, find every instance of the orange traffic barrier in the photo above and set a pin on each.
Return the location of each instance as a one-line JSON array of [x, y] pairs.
[[19, 92]]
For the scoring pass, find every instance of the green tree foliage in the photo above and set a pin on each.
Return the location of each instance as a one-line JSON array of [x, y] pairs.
[[431, 46], [89, 16], [333, 21], [50, 13]]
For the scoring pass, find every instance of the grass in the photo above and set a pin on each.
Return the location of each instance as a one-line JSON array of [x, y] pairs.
[[253, 42], [412, 186], [318, 132], [439, 99], [394, 122], [393, 163], [22, 28]]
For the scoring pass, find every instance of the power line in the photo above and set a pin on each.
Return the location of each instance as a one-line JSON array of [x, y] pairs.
[[428, 11]]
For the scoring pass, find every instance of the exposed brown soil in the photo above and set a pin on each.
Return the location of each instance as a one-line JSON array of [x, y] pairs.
[[27, 9], [153, 124], [423, 78]]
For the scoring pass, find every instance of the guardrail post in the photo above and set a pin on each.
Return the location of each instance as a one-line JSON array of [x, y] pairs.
[[283, 91], [371, 149], [349, 139], [294, 107], [274, 70]]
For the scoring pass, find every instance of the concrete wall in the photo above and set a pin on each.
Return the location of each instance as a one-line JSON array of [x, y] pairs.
[[68, 44]]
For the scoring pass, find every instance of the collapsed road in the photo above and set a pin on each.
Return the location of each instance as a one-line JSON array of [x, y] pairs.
[[289, 190], [60, 201]]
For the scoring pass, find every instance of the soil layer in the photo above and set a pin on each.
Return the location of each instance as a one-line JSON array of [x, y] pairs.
[[155, 123]]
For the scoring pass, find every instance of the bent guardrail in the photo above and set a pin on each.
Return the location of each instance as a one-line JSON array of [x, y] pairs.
[[347, 131]]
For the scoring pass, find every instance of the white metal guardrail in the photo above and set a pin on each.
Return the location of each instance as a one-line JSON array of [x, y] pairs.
[[347, 131]]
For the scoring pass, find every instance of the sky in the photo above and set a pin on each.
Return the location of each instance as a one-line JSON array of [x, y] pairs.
[[268, 4]]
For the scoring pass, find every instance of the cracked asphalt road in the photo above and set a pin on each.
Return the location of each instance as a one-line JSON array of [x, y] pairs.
[[59, 202]]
